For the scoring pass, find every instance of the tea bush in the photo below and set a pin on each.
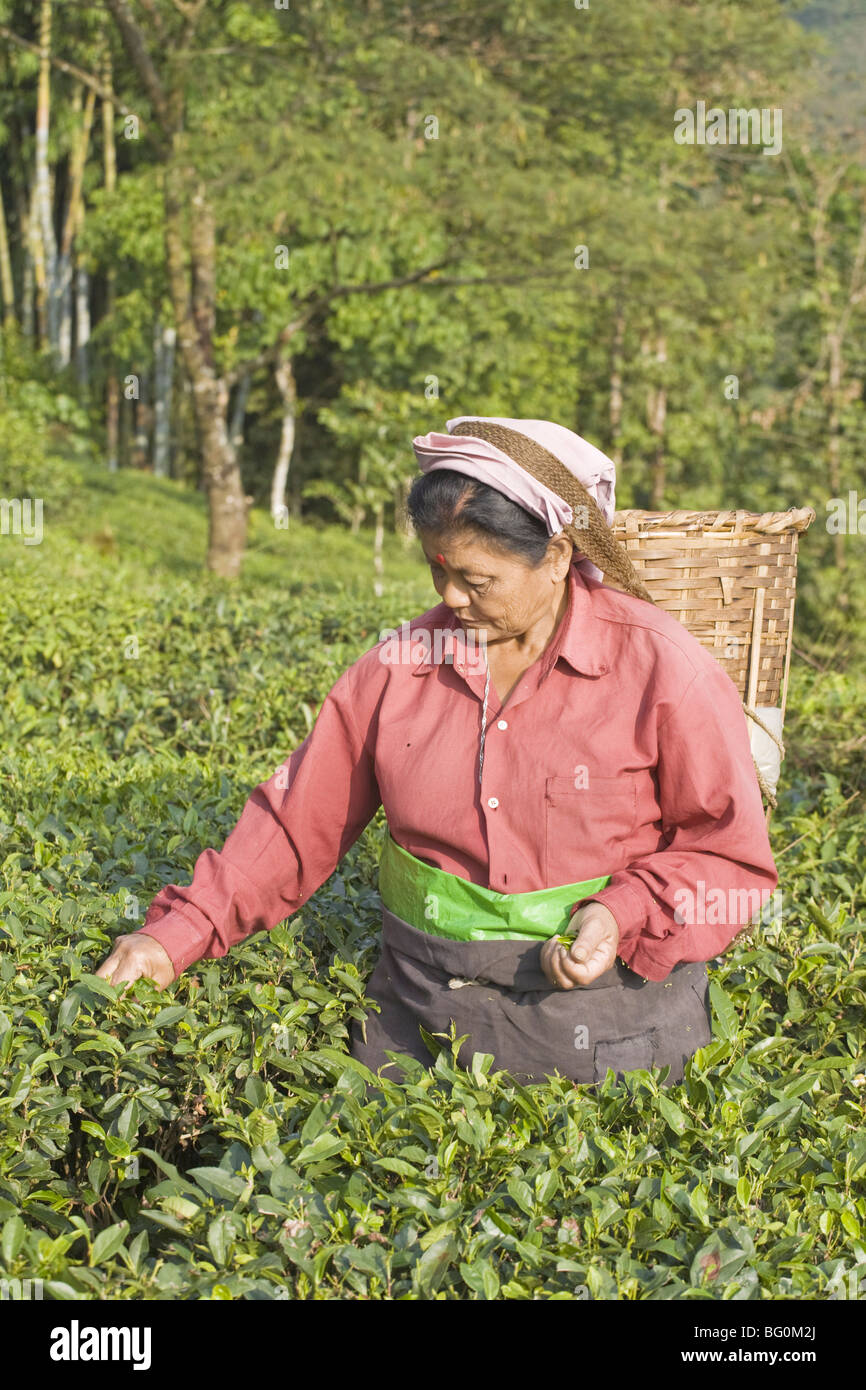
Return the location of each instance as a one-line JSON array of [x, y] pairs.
[[216, 1141]]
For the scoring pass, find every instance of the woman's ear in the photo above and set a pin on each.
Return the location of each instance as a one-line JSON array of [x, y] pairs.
[[560, 552]]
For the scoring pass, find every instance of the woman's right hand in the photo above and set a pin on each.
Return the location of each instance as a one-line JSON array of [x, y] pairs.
[[594, 938], [137, 956]]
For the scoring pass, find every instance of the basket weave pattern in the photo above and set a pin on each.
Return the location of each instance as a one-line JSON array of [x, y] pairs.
[[706, 567], [730, 578]]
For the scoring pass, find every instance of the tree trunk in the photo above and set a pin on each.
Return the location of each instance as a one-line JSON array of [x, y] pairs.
[[359, 511], [143, 417], [239, 410], [295, 499], [285, 379], [44, 221], [7, 286], [402, 521], [163, 378], [63, 287], [125, 430], [616, 358], [834, 443], [378, 541], [71, 226], [63, 354], [835, 321], [657, 404], [656, 413], [23, 203], [37, 256], [194, 298], [112, 419], [28, 327], [82, 325], [112, 385]]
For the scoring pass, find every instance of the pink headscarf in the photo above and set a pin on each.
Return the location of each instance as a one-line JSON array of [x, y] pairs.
[[483, 461]]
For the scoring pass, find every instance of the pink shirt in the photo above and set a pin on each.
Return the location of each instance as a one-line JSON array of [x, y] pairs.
[[623, 750]]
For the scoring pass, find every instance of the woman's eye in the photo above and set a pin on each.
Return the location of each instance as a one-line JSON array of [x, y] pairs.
[[479, 585]]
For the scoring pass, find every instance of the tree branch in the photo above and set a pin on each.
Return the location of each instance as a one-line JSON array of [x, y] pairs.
[[155, 17], [419, 276], [268, 354], [855, 290], [87, 78], [375, 286], [141, 61], [271, 353], [190, 12]]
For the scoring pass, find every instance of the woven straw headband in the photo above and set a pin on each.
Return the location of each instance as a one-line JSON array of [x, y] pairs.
[[595, 539]]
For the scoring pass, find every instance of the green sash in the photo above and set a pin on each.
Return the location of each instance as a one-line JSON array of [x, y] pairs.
[[444, 905]]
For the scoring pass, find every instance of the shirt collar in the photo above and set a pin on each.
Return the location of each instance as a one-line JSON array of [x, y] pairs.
[[581, 639]]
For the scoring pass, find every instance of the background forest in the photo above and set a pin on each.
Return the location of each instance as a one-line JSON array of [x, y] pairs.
[[248, 250], [256, 249]]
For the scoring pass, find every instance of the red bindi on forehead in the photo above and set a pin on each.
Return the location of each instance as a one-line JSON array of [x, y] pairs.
[[441, 559]]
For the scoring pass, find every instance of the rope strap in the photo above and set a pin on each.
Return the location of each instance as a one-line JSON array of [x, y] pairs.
[[759, 721], [762, 781]]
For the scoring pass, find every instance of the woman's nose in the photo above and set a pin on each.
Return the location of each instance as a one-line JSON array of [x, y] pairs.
[[454, 596]]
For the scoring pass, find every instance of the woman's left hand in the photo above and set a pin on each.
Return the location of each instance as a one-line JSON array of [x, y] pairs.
[[592, 953]]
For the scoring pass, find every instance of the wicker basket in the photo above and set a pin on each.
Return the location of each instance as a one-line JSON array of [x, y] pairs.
[[730, 578]]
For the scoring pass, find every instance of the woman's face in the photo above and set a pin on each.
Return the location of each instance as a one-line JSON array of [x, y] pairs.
[[492, 590]]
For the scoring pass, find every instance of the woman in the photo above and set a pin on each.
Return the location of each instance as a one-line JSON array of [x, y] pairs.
[[555, 757]]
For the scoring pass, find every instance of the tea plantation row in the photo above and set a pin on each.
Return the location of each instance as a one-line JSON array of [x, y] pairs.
[[216, 1141]]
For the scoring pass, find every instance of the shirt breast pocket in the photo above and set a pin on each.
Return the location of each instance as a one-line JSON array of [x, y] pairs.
[[588, 828]]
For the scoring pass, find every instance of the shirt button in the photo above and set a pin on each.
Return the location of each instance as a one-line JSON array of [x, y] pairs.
[[493, 803], [503, 724]]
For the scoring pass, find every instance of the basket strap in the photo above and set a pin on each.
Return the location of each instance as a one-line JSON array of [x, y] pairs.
[[763, 784]]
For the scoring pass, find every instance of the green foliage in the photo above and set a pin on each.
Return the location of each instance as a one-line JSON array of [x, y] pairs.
[[216, 1140], [397, 206], [37, 422]]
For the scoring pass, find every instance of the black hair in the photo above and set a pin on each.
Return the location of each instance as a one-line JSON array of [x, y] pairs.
[[444, 500]]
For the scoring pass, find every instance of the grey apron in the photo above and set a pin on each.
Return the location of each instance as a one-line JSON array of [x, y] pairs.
[[619, 1022]]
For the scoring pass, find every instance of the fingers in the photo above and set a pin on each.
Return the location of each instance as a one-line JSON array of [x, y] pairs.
[[553, 957], [592, 952], [135, 957], [594, 949], [582, 967], [592, 933], [108, 967], [118, 970]]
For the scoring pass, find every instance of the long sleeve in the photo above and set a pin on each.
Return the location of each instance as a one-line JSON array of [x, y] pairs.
[[290, 837], [687, 901]]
